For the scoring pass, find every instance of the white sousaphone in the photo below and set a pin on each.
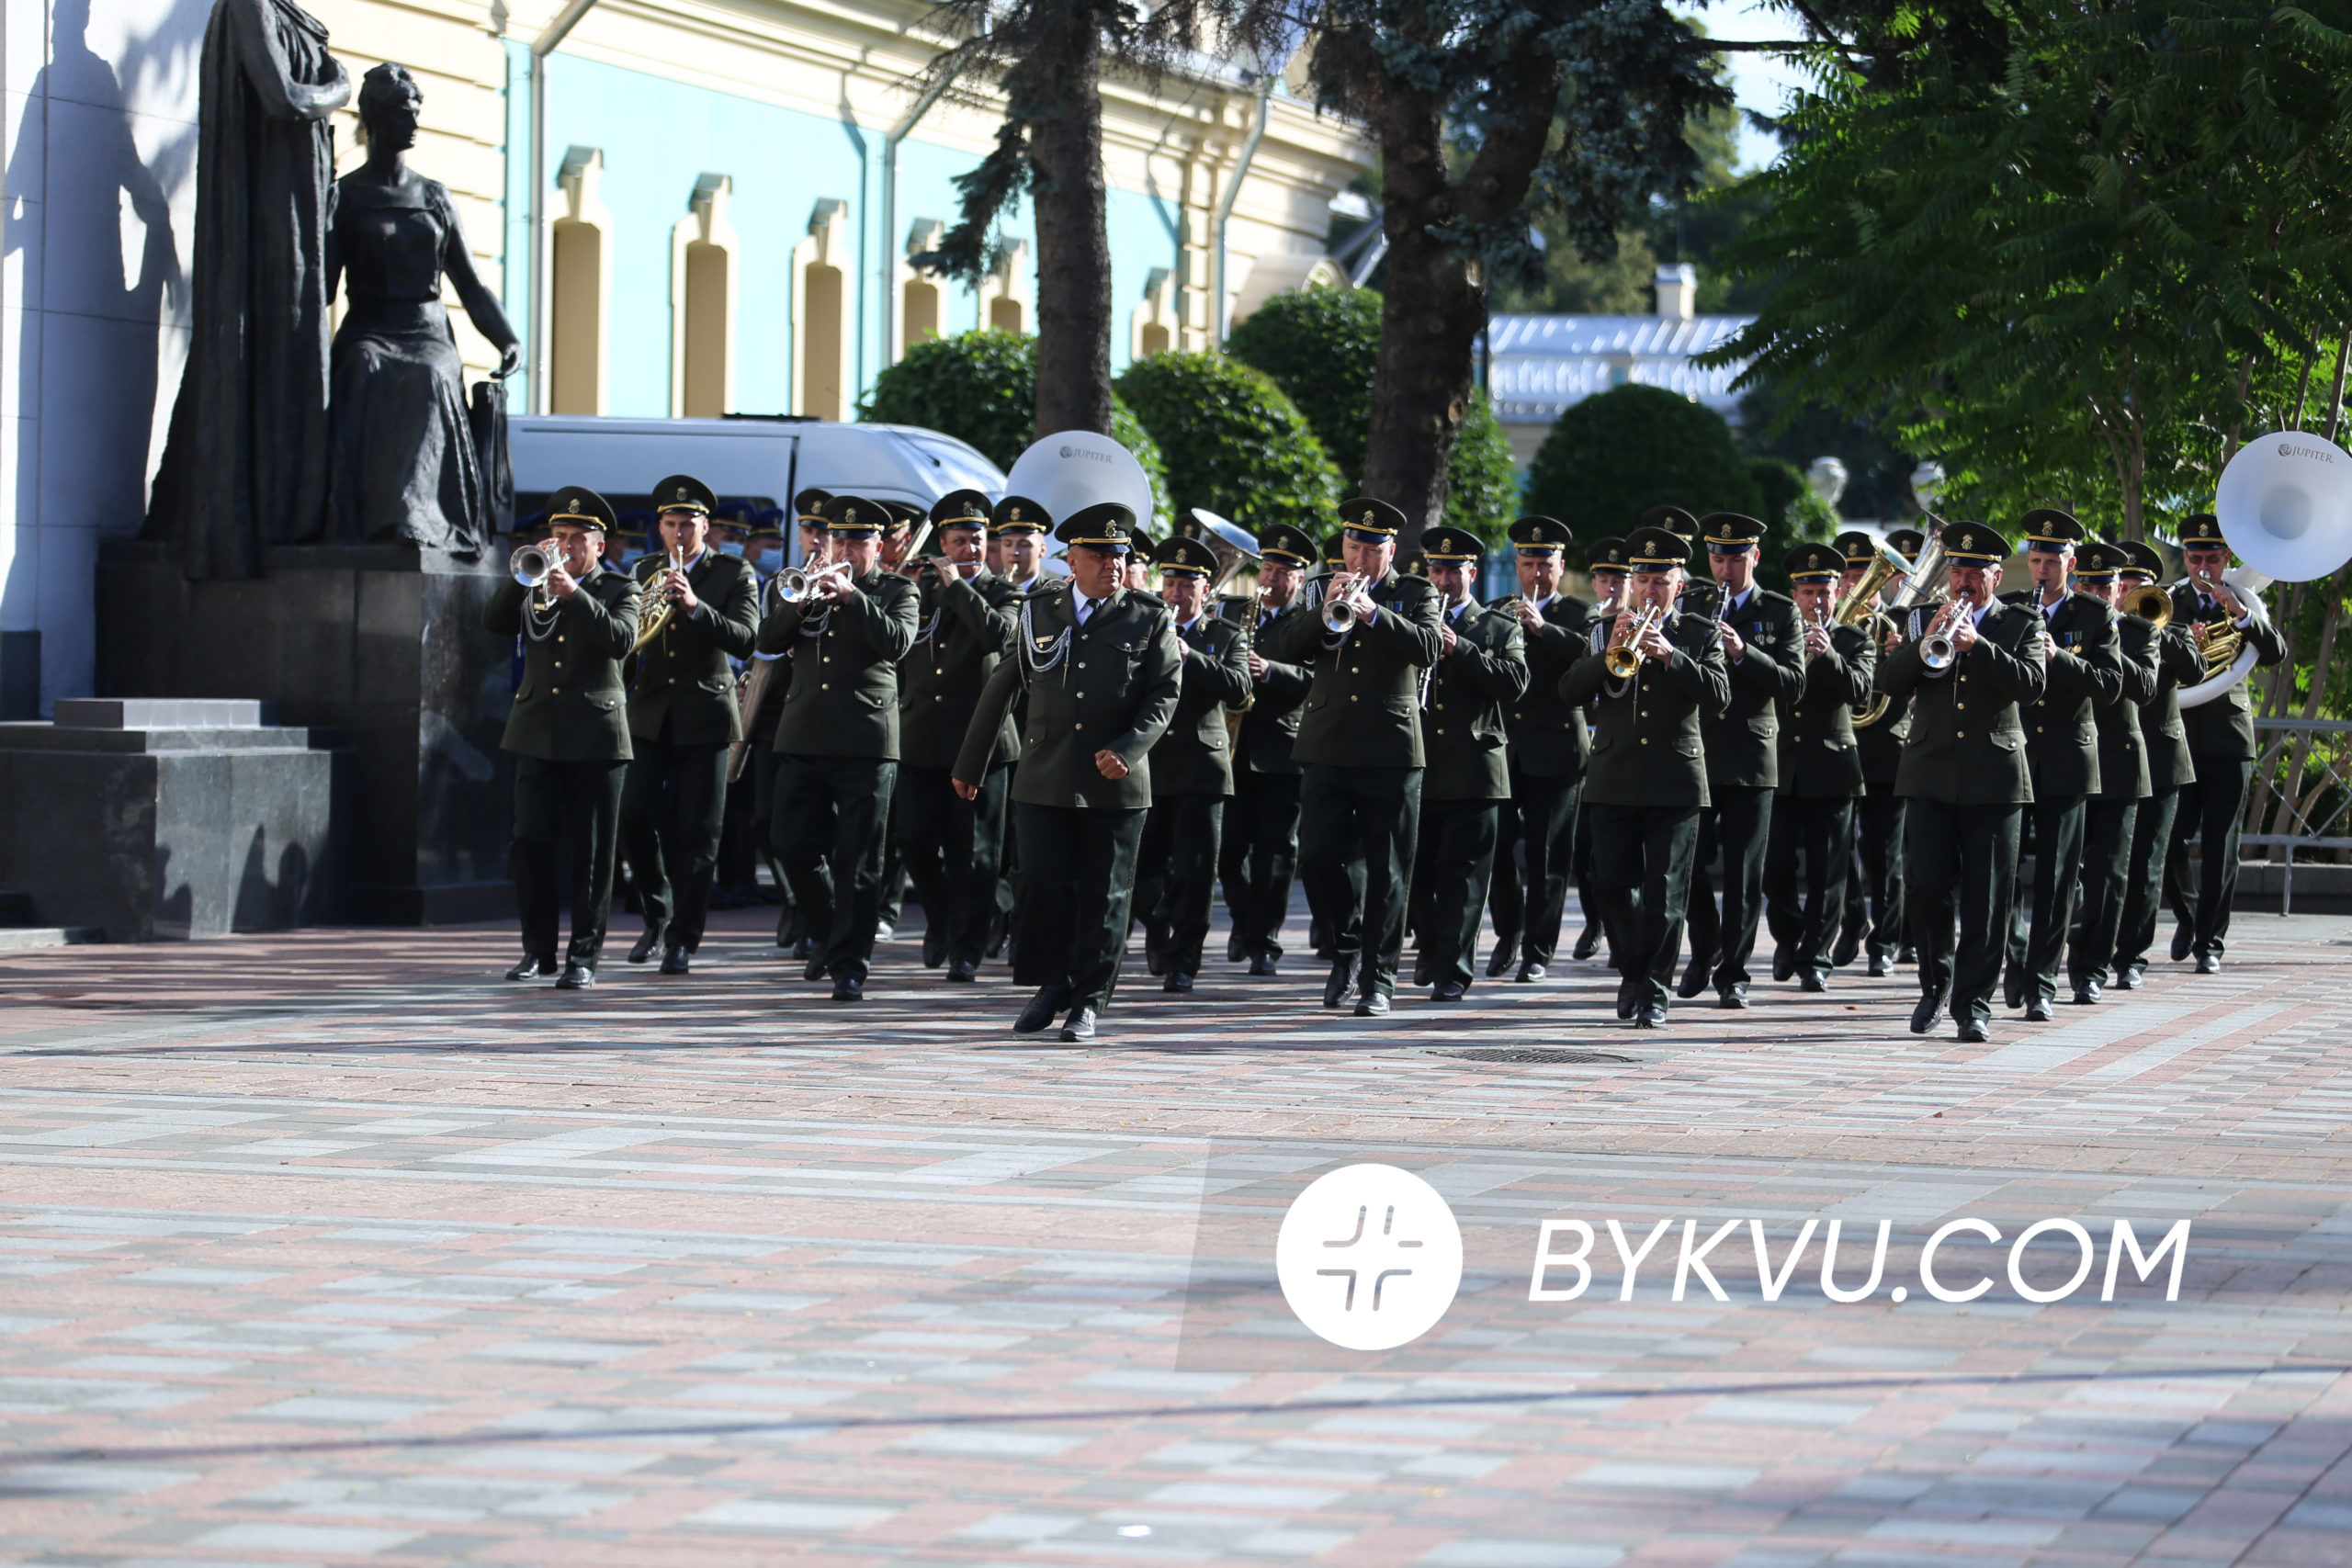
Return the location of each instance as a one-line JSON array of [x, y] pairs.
[[1078, 468], [2285, 506]]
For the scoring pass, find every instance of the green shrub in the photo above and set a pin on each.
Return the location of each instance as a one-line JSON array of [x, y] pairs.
[[1790, 513], [1233, 442], [981, 388], [1614, 456], [1482, 484]]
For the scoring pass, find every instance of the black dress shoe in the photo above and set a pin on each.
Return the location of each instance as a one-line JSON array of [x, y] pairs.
[[2040, 1010], [1498, 964], [1813, 980], [646, 945], [2013, 989], [576, 978], [935, 944], [532, 966], [964, 972], [783, 927], [1923, 1017], [2184, 938], [1177, 981], [806, 947], [1530, 972], [1451, 991], [1880, 967], [846, 989], [1233, 954], [1079, 1025], [1335, 988], [1734, 995], [2089, 991], [1694, 979], [815, 969], [1372, 1004], [1628, 1000], [1652, 1017], [1040, 1010], [2209, 964], [1420, 970], [1907, 954], [1973, 1031], [2127, 976], [1849, 946], [1263, 964], [1588, 942], [1155, 956], [674, 961], [1784, 961]]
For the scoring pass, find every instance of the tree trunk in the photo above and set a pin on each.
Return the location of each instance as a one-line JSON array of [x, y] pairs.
[[1429, 319], [1073, 248]]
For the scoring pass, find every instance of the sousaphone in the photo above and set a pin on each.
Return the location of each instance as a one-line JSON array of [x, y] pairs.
[[1078, 468], [2285, 506]]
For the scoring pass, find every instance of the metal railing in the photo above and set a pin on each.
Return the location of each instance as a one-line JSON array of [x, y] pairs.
[[2300, 795]]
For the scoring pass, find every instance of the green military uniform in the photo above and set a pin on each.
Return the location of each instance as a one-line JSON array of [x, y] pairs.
[[682, 717], [569, 732], [1191, 774], [2220, 741], [1743, 750], [1646, 783], [2086, 669], [837, 734], [1359, 743], [1536, 841], [950, 845], [1964, 784], [1875, 904], [1820, 773], [1465, 735], [2109, 817], [1099, 675], [770, 677], [2172, 767], [1605, 562], [1257, 856]]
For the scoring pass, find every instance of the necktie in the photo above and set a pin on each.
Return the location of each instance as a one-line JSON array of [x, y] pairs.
[[1085, 608]]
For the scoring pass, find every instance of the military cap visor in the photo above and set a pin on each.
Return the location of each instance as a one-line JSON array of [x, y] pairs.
[[1856, 546], [1729, 534], [1371, 522], [1449, 543], [1540, 535], [1019, 515], [1815, 562], [1286, 545], [1975, 544], [855, 516], [1187, 556], [2142, 558], [1106, 525], [960, 509], [1657, 549], [582, 508], [2203, 530], [2098, 561], [2048, 528], [683, 492], [1607, 554], [809, 505]]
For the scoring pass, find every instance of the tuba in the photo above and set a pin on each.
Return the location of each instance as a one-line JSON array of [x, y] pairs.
[[2285, 506], [1920, 579]]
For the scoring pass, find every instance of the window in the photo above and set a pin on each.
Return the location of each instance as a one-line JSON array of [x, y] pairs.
[[921, 312], [1004, 314]]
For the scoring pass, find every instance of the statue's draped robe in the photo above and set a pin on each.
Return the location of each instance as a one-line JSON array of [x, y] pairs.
[[246, 464]]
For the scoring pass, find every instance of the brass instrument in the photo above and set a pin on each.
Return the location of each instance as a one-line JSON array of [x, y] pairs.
[[1937, 649], [1244, 607], [1824, 622], [2219, 643], [2151, 603], [795, 583], [1340, 615], [656, 623], [531, 565], [1860, 603], [1624, 660]]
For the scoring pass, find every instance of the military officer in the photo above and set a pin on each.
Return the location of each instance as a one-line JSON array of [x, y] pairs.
[[951, 845], [1360, 742], [1017, 529], [2171, 767], [1875, 879], [1192, 771], [1548, 747], [569, 731], [2109, 815], [1481, 672], [1607, 566], [1259, 855], [2221, 739], [2085, 670], [838, 739], [681, 718], [1103, 671], [766, 707], [1820, 773], [1963, 780], [1648, 779], [1764, 657]]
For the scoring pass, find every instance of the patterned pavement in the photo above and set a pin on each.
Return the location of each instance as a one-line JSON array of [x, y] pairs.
[[331, 1247]]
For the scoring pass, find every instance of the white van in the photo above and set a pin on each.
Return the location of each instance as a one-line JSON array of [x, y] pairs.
[[760, 459]]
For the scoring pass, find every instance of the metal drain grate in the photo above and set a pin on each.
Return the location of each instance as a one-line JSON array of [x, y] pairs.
[[1537, 1053]]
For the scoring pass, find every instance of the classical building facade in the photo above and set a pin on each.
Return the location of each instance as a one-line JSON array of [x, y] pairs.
[[727, 192]]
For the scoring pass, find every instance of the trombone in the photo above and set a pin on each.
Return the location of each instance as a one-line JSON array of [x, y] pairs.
[[1623, 660]]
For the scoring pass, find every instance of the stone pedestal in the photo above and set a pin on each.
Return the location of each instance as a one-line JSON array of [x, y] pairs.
[[170, 819], [384, 645]]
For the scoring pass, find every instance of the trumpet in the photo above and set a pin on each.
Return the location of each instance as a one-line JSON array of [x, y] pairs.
[[795, 583], [1822, 622], [659, 620], [1343, 609], [1623, 660], [531, 565], [2151, 603], [1937, 650]]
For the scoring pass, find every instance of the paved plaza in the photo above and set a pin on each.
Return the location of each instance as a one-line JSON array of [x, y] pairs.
[[331, 1247]]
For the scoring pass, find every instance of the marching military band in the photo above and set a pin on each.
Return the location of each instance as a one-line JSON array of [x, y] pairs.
[[1053, 759]]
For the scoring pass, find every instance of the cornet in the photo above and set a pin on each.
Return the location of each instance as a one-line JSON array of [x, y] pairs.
[[1936, 650], [531, 565], [1343, 609], [795, 583], [1623, 660]]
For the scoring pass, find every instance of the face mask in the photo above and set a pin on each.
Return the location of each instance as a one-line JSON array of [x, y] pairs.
[[731, 548]]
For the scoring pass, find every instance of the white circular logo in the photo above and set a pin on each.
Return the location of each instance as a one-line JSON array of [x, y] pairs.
[[1369, 1257]]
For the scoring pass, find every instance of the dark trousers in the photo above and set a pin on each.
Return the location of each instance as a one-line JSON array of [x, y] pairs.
[[1580, 873], [2054, 836], [1804, 913], [1258, 858], [2214, 807], [578, 806], [1874, 915], [1536, 841], [829, 817], [2107, 879], [1641, 873], [1355, 853], [671, 811], [1176, 876], [1959, 860], [1453, 856], [763, 770], [1078, 878], [950, 845], [2144, 882], [1739, 824]]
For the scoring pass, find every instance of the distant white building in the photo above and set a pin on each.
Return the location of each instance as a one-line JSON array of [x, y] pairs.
[[1538, 366]]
